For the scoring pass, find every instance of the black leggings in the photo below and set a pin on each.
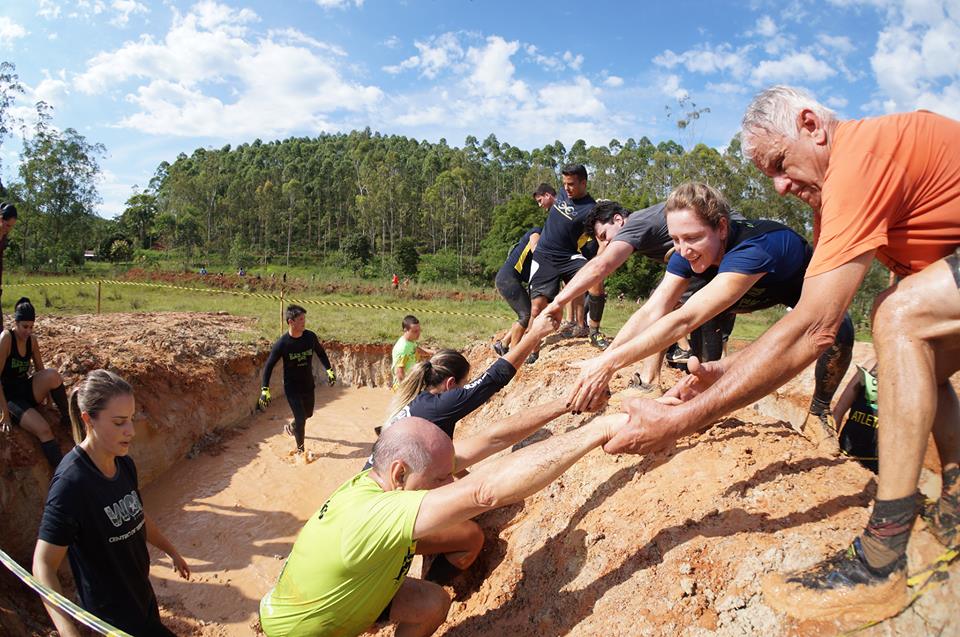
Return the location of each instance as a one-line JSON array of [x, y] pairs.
[[301, 404], [509, 286]]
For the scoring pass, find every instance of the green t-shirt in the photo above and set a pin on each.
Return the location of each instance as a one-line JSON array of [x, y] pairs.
[[404, 355], [347, 564]]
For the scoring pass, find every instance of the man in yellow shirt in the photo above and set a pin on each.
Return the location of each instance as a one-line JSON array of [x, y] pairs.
[[348, 567]]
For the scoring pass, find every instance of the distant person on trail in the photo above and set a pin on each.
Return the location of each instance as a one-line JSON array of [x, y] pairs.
[[644, 233], [8, 219], [395, 282], [94, 515], [296, 348], [884, 187], [746, 266], [510, 281], [348, 568], [22, 391], [558, 257], [404, 355]]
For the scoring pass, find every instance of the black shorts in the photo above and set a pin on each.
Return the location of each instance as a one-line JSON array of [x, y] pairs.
[[19, 399], [546, 275], [511, 289], [953, 261]]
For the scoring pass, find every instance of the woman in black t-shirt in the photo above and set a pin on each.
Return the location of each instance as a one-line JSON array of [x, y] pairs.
[[94, 515], [23, 391]]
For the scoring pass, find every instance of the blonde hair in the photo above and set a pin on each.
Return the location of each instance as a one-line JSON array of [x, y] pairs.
[[707, 202], [429, 373]]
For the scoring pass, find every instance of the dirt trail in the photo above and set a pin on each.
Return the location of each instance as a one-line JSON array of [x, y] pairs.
[[235, 510]]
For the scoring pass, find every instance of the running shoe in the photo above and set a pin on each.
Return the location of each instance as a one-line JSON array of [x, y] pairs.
[[532, 358], [943, 517], [599, 340], [499, 348], [821, 430], [581, 331], [843, 587], [676, 355], [638, 388], [566, 329]]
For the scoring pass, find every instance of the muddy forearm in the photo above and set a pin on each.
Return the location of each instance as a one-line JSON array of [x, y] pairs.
[[507, 433]]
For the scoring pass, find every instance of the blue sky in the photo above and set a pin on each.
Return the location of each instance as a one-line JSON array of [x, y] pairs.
[[152, 79]]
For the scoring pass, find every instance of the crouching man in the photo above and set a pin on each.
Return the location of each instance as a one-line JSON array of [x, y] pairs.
[[347, 571]]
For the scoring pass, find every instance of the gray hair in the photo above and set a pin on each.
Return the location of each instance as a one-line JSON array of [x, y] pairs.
[[396, 444], [774, 111]]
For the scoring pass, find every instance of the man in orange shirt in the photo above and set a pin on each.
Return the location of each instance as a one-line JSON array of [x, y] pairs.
[[886, 187]]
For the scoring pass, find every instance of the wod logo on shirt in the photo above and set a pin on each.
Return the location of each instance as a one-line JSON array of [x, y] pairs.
[[568, 210], [301, 357], [19, 366], [124, 509]]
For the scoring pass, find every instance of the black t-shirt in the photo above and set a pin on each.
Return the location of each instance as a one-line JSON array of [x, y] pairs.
[[518, 261], [446, 409], [297, 354], [101, 521], [16, 371], [563, 235], [646, 232]]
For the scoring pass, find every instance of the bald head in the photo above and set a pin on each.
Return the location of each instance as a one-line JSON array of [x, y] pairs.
[[417, 443]]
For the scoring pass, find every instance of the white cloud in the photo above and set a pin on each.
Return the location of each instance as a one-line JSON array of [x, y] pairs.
[[839, 43], [436, 54], [10, 31], [915, 61], [613, 81], [392, 42], [124, 9], [573, 61], [726, 88], [567, 60], [706, 60], [766, 27], [670, 86], [339, 4], [492, 73], [276, 84], [49, 9], [53, 35], [837, 102], [794, 67]]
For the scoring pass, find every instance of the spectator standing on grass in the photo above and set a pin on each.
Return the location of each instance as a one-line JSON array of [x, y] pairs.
[[296, 347], [8, 219], [94, 515], [404, 355], [22, 392]]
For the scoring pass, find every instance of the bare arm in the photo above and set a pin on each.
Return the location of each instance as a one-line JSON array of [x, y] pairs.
[[5, 341], [540, 328], [37, 357], [596, 270], [159, 540], [664, 298], [505, 433], [46, 560], [778, 355], [511, 478]]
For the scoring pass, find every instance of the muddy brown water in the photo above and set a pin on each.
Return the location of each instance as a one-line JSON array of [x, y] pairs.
[[235, 510]]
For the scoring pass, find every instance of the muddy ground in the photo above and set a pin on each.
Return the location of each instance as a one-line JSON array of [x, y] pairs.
[[673, 543]]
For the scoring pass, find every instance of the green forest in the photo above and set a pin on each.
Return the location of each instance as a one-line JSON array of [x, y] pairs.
[[368, 203]]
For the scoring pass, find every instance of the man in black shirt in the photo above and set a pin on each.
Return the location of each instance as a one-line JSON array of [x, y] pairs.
[[296, 347], [558, 257]]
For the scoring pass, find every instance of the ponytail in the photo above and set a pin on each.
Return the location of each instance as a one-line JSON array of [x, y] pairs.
[[92, 395], [76, 421], [444, 364]]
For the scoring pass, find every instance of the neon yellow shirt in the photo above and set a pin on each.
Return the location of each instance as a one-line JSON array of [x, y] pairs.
[[347, 564], [404, 355]]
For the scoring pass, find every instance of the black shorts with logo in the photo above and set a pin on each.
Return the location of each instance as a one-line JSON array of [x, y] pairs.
[[546, 274]]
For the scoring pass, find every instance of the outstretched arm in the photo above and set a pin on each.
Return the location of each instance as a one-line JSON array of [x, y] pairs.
[[778, 355], [596, 270], [540, 328], [505, 433], [511, 478]]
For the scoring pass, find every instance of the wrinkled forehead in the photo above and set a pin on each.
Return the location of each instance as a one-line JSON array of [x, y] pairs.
[[767, 148]]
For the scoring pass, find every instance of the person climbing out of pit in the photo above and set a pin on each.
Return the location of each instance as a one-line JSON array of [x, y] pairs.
[[296, 347], [510, 281], [348, 569], [94, 515], [748, 266], [20, 391], [437, 389], [404, 354], [858, 433]]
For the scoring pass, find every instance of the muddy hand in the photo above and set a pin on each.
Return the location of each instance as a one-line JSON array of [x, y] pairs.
[[544, 325], [647, 429], [591, 385], [180, 566], [554, 310], [701, 376]]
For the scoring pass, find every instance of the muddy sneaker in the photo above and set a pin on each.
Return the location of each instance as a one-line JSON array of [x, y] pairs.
[[532, 358], [566, 329], [638, 388], [599, 340], [843, 587], [580, 331], [821, 430], [943, 519], [288, 429], [500, 349], [676, 355]]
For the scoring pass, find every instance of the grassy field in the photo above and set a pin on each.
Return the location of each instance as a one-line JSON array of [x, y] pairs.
[[78, 295]]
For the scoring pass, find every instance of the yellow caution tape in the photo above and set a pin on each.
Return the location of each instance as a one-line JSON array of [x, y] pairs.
[[260, 295], [56, 599]]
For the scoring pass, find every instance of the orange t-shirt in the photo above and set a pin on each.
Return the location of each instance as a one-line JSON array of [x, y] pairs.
[[893, 184]]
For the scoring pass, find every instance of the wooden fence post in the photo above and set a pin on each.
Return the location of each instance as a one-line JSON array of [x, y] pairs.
[[283, 323], [98, 296]]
